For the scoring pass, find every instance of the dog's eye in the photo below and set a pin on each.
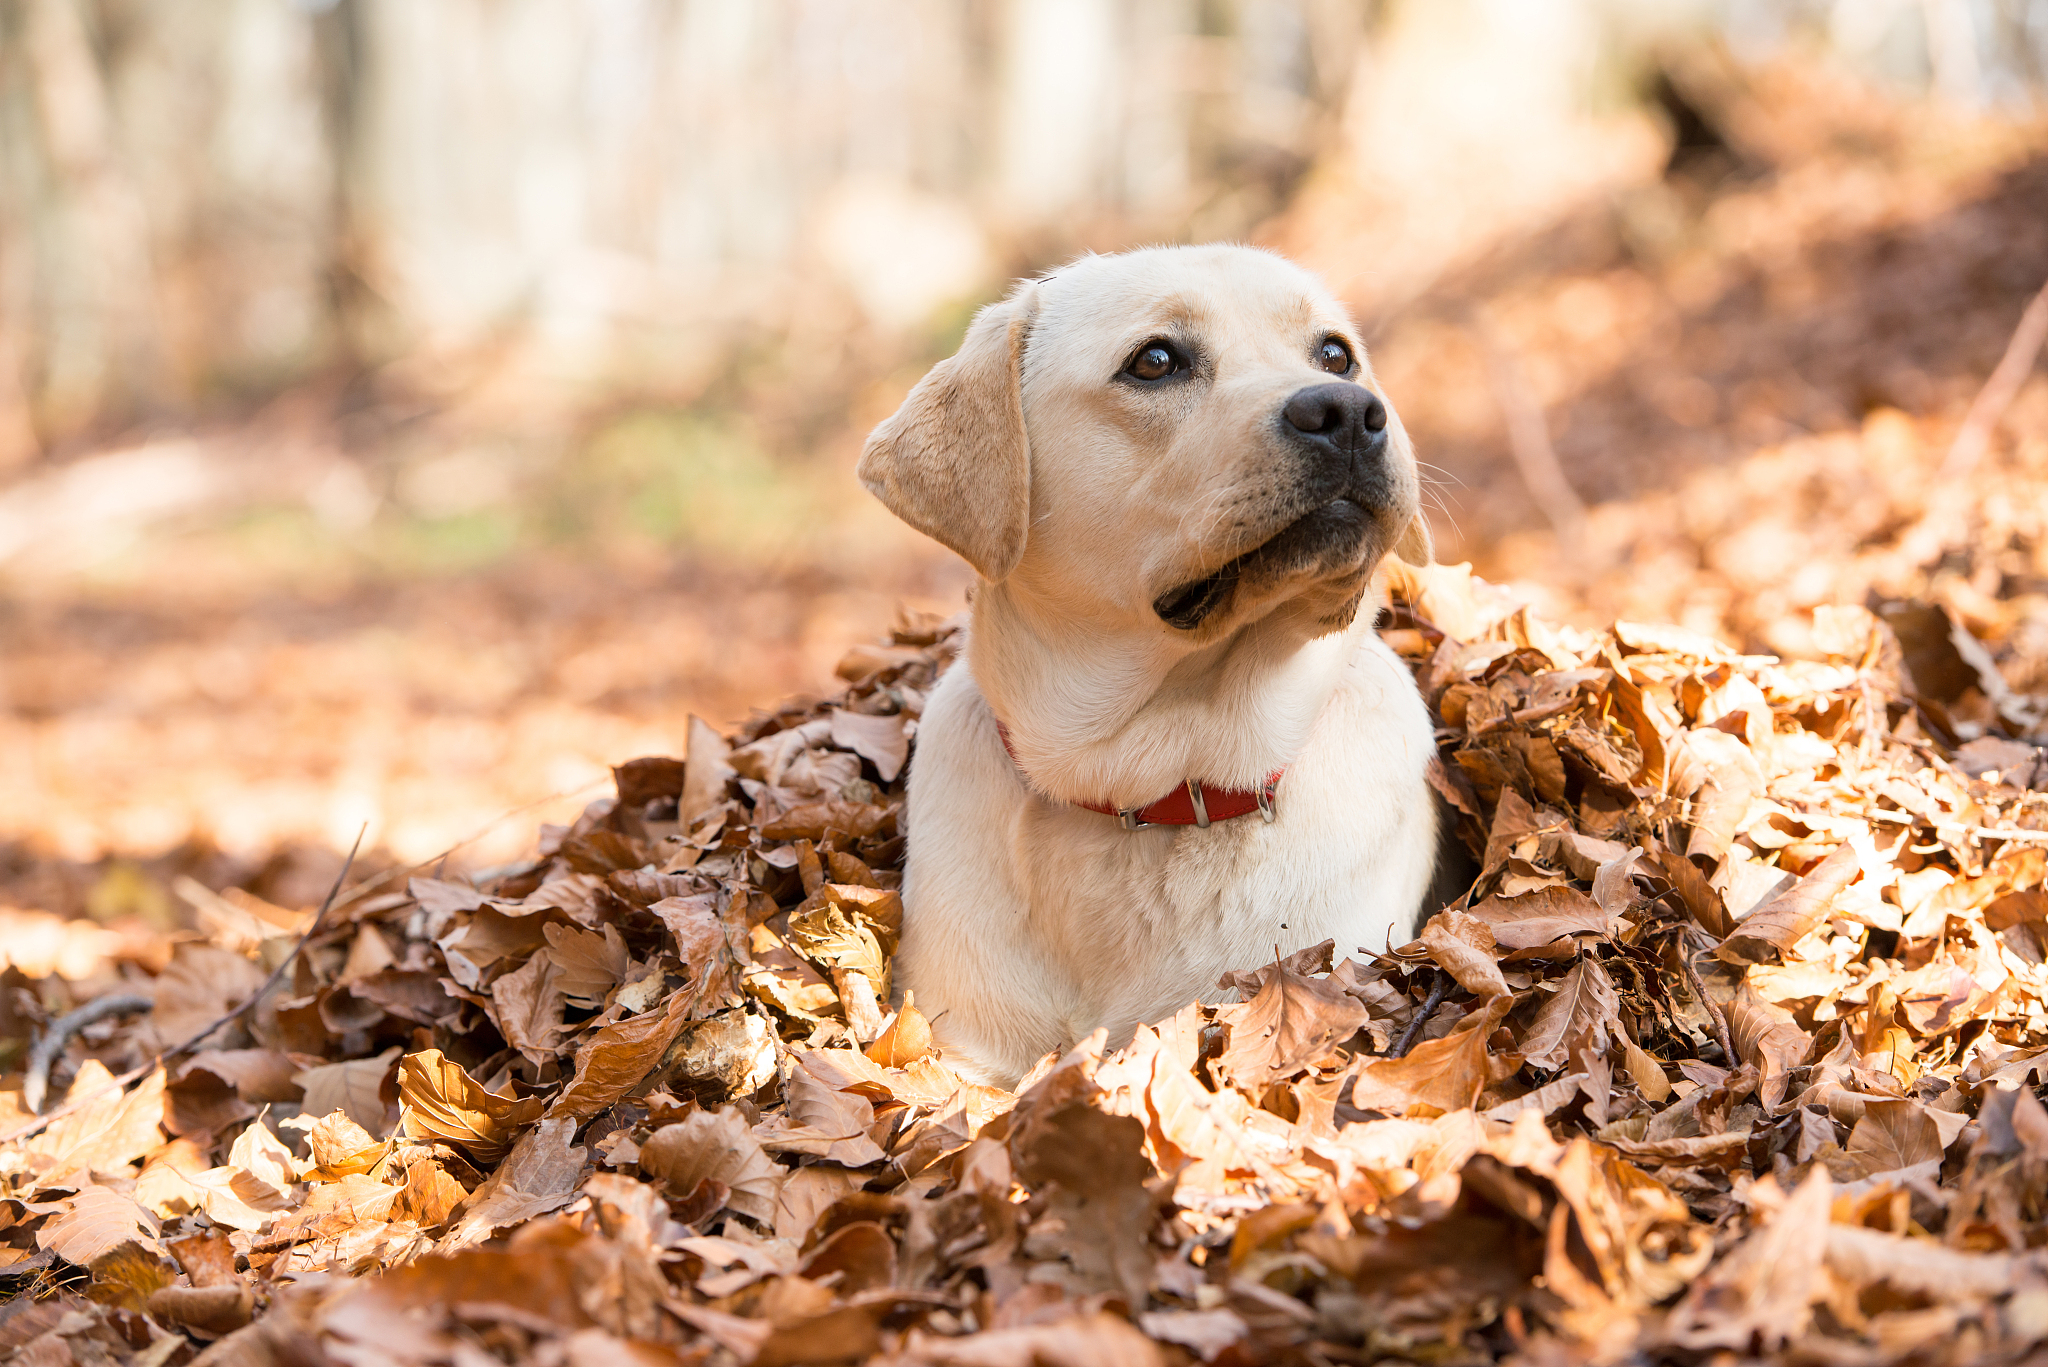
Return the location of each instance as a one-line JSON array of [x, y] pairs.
[[1155, 361], [1334, 356]]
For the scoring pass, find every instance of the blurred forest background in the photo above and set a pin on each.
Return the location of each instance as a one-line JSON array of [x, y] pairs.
[[410, 407]]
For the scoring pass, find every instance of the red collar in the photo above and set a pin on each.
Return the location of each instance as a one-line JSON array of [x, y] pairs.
[[1191, 804]]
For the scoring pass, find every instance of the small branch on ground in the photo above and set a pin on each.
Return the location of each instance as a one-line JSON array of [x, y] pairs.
[[118, 1083], [1438, 988], [1699, 990], [44, 1055]]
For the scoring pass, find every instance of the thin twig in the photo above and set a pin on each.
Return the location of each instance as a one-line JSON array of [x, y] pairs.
[[59, 1033], [116, 1084], [2018, 835], [1529, 438], [1974, 436], [1437, 990], [1699, 990]]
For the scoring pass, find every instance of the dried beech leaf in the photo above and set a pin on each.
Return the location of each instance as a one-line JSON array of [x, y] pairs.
[[1446, 1074], [94, 1221], [908, 1038], [1764, 1291], [1784, 920], [700, 943], [1894, 1134], [110, 1130], [1768, 1039], [1647, 1073], [528, 1006], [879, 740], [355, 1087], [1291, 1024], [1584, 1004], [1721, 777], [619, 1057], [442, 1101], [1463, 946], [539, 1175], [715, 1146], [590, 964], [340, 1147], [1090, 1170], [1537, 918]]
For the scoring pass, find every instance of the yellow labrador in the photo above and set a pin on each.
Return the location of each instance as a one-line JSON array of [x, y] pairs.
[[1174, 741]]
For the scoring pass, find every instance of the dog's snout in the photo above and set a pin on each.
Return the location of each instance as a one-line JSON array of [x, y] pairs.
[[1345, 413]]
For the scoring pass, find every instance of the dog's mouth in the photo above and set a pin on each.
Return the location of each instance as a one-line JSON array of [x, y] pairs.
[[1309, 541]]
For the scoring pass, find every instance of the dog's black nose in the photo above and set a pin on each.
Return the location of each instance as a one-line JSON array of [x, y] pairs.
[[1343, 413]]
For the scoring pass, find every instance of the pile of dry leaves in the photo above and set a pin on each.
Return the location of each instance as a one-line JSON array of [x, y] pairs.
[[1732, 1052]]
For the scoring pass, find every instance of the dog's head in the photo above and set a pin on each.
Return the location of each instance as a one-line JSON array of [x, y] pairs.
[[1185, 439]]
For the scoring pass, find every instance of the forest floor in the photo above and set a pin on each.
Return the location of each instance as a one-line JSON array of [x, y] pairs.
[[1743, 1027]]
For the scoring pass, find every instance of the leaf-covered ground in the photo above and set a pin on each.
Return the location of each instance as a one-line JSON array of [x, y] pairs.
[[1733, 1052]]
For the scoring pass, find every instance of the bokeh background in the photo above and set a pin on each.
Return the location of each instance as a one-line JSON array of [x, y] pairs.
[[410, 407]]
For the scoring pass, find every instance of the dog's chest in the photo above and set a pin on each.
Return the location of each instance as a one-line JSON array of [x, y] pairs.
[[1144, 917]]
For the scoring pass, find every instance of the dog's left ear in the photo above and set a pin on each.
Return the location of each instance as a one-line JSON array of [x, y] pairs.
[[1414, 545], [953, 461]]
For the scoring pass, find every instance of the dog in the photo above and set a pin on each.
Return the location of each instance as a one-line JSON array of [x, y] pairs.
[[1173, 744]]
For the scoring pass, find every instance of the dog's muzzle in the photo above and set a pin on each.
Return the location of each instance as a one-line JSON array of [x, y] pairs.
[[1342, 486]]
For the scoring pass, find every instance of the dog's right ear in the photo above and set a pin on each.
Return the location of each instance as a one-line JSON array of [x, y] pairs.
[[953, 461]]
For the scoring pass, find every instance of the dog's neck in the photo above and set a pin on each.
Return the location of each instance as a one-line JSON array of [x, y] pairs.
[[1095, 716]]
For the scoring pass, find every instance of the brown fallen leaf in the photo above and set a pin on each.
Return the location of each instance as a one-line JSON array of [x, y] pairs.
[[1463, 946], [355, 1087], [341, 1148], [877, 739], [539, 1175], [1778, 924], [1537, 918], [1767, 1038], [442, 1101], [202, 984], [1764, 1291], [128, 1275], [212, 1310], [821, 1121], [701, 944], [589, 964], [429, 1195], [1585, 1003], [528, 1007], [1646, 1072], [619, 1057], [257, 1075], [1088, 1171], [908, 1038], [1894, 1134], [401, 1315], [1292, 1023], [715, 1146], [94, 1221], [1099, 1339], [1436, 1076], [1720, 776], [110, 1130]]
